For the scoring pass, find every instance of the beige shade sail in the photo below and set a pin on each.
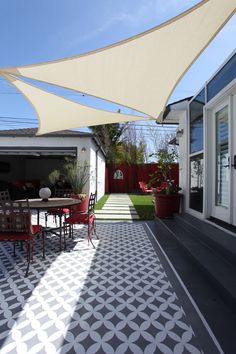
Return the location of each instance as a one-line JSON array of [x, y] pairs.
[[58, 113], [140, 72]]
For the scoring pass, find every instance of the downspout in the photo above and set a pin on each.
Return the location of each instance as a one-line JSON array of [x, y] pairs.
[[96, 152], [96, 176]]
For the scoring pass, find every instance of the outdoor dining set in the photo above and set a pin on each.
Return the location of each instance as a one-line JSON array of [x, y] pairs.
[[16, 225]]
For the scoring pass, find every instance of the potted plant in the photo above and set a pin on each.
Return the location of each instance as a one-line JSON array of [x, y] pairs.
[[167, 199], [166, 194], [75, 174]]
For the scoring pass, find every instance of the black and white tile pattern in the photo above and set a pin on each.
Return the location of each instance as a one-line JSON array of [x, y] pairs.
[[116, 298]]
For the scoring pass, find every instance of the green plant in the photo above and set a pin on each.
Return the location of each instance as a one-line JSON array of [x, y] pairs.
[[164, 159], [54, 176], [75, 172], [168, 187]]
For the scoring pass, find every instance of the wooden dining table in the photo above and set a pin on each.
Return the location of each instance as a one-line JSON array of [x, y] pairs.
[[39, 204]]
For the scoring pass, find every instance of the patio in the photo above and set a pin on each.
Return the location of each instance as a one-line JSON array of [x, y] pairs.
[[122, 297]]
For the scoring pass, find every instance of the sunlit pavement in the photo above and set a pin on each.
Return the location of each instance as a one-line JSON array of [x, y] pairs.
[[122, 297]]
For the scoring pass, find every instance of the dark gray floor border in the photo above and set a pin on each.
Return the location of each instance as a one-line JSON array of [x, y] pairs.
[[185, 297]]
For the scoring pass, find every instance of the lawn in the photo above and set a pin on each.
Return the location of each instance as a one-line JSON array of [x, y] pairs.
[[101, 202], [143, 205]]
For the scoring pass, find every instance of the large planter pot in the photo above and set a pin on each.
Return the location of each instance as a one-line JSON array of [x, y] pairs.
[[166, 204], [82, 207]]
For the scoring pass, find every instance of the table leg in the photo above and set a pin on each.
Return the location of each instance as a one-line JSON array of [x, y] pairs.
[[60, 231]]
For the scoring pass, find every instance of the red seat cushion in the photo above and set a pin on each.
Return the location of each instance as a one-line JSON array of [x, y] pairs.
[[10, 236], [36, 229], [56, 211], [80, 218]]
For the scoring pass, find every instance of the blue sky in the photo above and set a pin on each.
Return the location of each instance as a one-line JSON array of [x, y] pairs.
[[34, 31]]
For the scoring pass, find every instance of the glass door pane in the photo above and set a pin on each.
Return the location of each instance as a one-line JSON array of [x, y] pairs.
[[222, 158]]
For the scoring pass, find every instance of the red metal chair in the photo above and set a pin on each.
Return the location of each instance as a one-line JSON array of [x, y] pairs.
[[15, 225], [59, 212], [143, 187], [87, 218]]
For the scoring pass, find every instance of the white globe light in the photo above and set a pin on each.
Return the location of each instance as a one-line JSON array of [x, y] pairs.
[[45, 193]]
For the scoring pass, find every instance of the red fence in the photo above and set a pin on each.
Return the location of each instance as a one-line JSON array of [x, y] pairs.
[[124, 178]]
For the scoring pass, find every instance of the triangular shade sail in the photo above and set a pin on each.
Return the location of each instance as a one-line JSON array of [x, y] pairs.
[[58, 113], [142, 71]]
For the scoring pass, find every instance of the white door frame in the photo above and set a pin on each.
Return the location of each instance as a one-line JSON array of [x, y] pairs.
[[221, 212], [227, 97]]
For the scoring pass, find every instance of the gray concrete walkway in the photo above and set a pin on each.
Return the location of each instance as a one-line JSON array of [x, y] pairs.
[[117, 207]]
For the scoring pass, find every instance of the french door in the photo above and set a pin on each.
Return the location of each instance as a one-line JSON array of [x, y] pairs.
[[222, 161]]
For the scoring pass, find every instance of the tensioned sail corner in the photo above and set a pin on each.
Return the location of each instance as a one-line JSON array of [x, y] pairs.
[[58, 113]]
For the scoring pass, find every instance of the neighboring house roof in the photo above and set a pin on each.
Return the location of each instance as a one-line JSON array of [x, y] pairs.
[[31, 132], [28, 132]]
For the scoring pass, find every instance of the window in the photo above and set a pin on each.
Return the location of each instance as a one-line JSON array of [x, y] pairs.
[[222, 78], [196, 122], [196, 183], [222, 158]]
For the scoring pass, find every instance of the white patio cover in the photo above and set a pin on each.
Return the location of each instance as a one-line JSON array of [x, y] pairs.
[[139, 73], [58, 113]]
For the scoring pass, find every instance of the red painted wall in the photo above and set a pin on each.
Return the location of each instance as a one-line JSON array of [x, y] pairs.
[[132, 174]]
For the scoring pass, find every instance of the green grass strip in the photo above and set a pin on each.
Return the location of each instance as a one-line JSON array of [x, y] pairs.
[[143, 205], [99, 205]]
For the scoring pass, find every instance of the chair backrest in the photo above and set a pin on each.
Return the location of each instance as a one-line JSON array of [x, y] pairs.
[[91, 203], [5, 196], [143, 186], [63, 193], [15, 217]]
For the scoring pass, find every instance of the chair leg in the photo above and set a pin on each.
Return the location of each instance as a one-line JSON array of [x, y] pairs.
[[32, 249], [94, 228], [28, 248], [60, 233], [71, 231], [65, 228], [43, 236], [14, 248], [89, 234], [64, 240], [64, 234]]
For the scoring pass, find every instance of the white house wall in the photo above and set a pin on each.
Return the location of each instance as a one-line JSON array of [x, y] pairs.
[[101, 175], [86, 150], [97, 178], [183, 157], [93, 186], [234, 154]]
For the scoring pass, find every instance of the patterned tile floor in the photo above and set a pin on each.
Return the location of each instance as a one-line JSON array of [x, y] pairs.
[[122, 297]]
